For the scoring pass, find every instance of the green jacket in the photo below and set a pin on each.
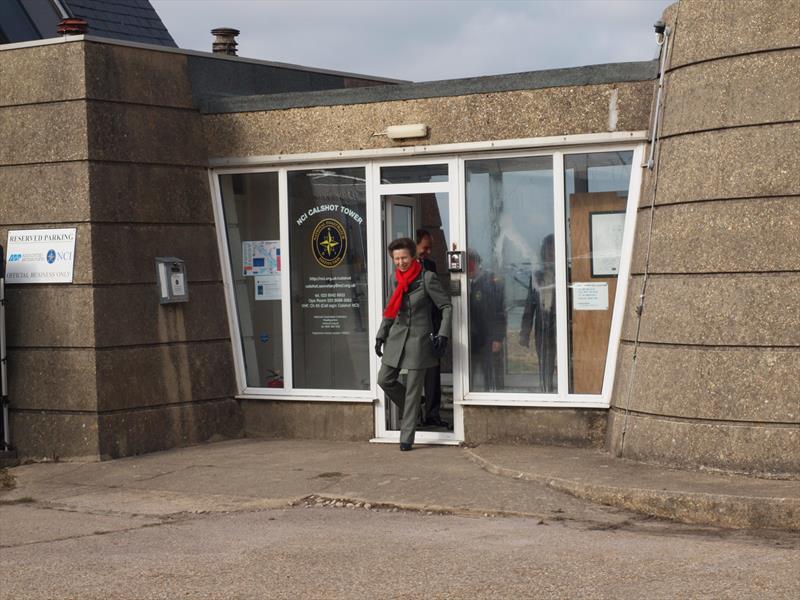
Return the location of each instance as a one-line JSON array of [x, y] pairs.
[[407, 337]]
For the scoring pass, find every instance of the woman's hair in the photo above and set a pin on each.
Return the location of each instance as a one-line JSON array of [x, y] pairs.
[[403, 244]]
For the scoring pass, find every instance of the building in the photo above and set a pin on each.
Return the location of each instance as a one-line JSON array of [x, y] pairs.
[[546, 186], [129, 20]]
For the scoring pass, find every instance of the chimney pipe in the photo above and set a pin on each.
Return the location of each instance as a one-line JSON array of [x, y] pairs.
[[224, 40], [72, 26]]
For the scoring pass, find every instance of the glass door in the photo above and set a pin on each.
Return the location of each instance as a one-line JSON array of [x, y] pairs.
[[416, 201]]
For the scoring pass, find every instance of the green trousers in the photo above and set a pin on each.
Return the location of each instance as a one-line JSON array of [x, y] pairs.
[[406, 397]]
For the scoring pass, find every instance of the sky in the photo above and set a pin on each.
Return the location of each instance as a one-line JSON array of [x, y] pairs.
[[424, 40]]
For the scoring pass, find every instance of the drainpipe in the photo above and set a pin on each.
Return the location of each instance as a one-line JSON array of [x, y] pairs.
[[6, 444]]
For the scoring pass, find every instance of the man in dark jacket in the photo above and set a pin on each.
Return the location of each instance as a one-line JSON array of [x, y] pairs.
[[540, 316], [433, 383], [487, 326]]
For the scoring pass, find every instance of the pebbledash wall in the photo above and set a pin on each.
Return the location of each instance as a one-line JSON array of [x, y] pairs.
[[105, 137], [716, 379], [117, 140]]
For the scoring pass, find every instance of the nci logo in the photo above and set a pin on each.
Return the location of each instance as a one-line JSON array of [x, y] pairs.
[[51, 256]]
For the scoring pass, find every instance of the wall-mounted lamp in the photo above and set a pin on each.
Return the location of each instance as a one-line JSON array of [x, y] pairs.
[[404, 132], [662, 31]]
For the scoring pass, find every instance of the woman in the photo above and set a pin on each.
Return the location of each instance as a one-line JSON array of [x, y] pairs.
[[406, 339]]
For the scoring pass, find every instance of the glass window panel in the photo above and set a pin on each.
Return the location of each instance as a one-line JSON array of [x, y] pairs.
[[330, 307], [414, 174], [511, 275], [250, 206], [596, 188]]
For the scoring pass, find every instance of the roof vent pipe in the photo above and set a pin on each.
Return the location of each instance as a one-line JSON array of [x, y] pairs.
[[224, 40], [72, 26]]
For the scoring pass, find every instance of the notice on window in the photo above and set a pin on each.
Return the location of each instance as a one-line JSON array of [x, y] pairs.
[[268, 287], [261, 258], [332, 293], [590, 296], [607, 231], [40, 255]]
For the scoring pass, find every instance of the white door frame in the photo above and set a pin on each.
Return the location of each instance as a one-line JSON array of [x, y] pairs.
[[377, 191]]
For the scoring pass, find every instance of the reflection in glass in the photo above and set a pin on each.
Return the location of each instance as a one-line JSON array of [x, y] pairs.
[[250, 206], [414, 174], [511, 275], [596, 188], [330, 307]]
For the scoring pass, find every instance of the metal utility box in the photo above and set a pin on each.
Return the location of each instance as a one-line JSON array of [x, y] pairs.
[[171, 278], [455, 261]]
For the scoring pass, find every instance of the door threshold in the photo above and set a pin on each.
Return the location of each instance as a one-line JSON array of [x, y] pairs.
[[418, 442]]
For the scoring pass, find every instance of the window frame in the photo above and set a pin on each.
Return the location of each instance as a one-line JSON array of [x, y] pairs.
[[371, 160]]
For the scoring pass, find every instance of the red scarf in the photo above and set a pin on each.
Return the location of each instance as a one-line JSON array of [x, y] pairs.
[[403, 281]]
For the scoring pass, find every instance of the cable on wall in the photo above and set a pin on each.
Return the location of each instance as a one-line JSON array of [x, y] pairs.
[[664, 33]]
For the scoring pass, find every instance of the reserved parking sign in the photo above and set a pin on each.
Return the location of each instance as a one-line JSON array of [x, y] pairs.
[[40, 256]]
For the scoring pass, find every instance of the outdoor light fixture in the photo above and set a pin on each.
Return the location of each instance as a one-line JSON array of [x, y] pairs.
[[661, 30], [403, 132]]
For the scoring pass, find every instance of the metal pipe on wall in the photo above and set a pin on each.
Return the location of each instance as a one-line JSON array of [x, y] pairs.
[[3, 377]]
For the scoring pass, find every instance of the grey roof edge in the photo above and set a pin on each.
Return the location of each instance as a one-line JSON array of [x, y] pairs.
[[573, 76], [199, 53], [225, 57]]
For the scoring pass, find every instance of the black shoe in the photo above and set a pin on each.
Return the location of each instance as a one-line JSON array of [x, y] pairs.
[[436, 422], [405, 447]]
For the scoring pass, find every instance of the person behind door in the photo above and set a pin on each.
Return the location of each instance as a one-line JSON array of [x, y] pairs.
[[433, 384], [487, 323], [406, 339], [540, 315]]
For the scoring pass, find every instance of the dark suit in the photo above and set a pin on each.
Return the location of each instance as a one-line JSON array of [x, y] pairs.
[[540, 316], [433, 376], [487, 323], [407, 345]]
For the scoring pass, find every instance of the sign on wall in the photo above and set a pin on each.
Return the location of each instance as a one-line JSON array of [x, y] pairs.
[[40, 255], [606, 242], [590, 295]]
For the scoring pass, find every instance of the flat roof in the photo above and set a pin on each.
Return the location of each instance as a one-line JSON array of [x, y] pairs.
[[574, 76]]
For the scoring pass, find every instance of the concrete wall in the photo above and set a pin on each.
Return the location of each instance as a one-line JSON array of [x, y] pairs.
[[451, 119], [105, 138], [341, 421], [574, 427], [716, 381]]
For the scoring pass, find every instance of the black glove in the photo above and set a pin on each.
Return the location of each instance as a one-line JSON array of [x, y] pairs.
[[379, 347], [440, 344]]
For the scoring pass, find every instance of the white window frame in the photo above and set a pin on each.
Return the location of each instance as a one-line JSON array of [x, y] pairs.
[[563, 398], [370, 160]]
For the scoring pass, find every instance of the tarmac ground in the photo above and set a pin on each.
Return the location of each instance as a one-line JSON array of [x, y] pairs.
[[310, 519]]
